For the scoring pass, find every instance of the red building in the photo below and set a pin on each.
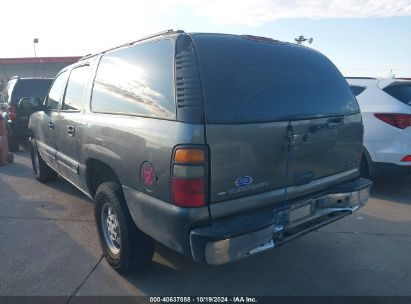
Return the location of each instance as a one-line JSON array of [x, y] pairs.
[[33, 67]]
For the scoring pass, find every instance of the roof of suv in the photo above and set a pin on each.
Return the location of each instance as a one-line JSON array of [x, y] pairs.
[[178, 32]]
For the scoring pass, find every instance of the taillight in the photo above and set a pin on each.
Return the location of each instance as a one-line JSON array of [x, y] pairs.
[[189, 177], [406, 158], [11, 110], [400, 121]]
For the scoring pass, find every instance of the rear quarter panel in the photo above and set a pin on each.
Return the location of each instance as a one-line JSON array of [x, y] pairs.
[[125, 142]]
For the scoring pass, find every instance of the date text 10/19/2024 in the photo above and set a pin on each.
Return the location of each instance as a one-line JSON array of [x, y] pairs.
[[203, 300]]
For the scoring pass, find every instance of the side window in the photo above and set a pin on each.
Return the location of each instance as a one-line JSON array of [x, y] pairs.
[[138, 80], [5, 96], [357, 90], [76, 85], [56, 92]]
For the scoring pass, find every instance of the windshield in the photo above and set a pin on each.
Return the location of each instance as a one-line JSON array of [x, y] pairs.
[[31, 88], [253, 81]]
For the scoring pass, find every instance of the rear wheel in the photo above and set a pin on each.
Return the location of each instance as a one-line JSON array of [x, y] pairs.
[[125, 247], [42, 171], [13, 143]]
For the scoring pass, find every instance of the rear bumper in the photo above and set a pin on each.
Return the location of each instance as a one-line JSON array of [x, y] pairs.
[[238, 237]]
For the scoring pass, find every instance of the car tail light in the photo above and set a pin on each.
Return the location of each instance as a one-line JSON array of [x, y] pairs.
[[400, 121], [11, 110], [406, 158], [189, 177]]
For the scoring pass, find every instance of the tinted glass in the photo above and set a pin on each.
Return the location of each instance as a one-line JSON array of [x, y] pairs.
[[137, 80], [400, 92], [76, 85], [250, 81], [56, 92], [357, 90], [31, 88], [7, 91]]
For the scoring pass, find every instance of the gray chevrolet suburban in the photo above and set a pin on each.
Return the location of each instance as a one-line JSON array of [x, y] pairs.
[[217, 146]]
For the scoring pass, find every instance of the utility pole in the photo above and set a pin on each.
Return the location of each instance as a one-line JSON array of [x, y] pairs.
[[35, 41], [302, 39]]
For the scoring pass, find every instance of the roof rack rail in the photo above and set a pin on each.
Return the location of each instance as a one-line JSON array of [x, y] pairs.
[[166, 32], [360, 77]]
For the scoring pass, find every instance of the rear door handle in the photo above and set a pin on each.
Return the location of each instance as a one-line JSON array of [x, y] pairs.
[[51, 125], [71, 130]]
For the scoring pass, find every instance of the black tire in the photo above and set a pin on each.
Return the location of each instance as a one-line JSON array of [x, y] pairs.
[[13, 143], [364, 169], [136, 248], [43, 172]]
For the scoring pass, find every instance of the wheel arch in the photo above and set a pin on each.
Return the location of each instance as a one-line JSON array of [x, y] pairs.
[[98, 172]]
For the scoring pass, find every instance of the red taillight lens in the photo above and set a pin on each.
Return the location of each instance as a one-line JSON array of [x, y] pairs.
[[188, 192], [400, 121], [189, 176], [406, 158], [11, 112]]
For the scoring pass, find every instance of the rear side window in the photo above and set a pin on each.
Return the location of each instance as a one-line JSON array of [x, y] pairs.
[[30, 88], [401, 92], [357, 90], [5, 96], [56, 92], [138, 80], [76, 85], [252, 81]]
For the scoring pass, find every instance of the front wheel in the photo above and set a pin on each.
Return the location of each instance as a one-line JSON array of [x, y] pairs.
[[125, 247], [42, 171]]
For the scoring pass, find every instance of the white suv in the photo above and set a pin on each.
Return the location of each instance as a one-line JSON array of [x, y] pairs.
[[386, 110]]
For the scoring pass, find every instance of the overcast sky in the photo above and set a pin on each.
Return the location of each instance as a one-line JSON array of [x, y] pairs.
[[362, 37]]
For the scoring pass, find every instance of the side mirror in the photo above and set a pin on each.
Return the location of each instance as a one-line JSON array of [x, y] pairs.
[[30, 104]]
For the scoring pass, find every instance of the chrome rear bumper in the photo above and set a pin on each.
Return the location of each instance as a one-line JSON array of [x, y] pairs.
[[284, 225]]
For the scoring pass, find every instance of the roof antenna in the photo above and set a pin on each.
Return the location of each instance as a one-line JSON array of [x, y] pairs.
[[302, 39]]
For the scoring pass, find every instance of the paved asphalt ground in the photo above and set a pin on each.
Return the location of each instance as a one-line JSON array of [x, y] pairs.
[[49, 246]]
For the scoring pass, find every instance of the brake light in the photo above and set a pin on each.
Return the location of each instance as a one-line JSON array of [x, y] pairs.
[[189, 177], [400, 121], [406, 158], [11, 110], [188, 192]]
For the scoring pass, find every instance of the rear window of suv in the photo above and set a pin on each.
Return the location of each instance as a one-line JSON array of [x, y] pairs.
[[253, 81], [30, 88], [401, 92]]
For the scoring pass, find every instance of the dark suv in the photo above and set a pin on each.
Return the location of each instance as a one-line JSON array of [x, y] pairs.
[[218, 146], [16, 116]]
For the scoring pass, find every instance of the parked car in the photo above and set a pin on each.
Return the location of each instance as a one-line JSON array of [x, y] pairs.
[[217, 146], [17, 117], [386, 110]]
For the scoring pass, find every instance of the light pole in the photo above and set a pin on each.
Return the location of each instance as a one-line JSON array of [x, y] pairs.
[[35, 40], [302, 39]]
